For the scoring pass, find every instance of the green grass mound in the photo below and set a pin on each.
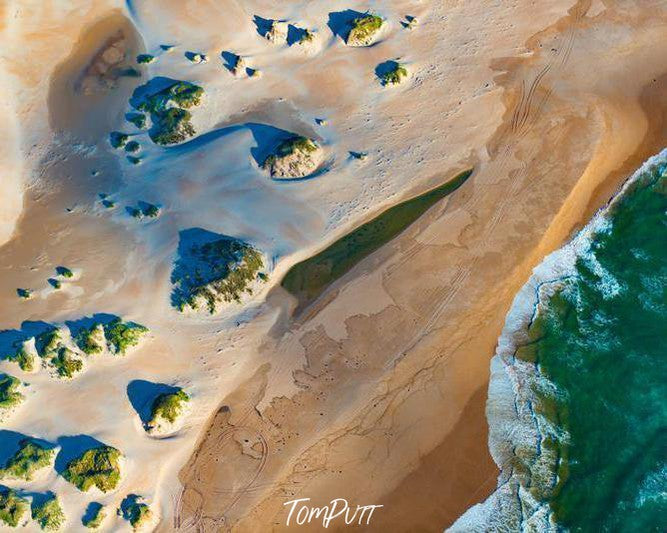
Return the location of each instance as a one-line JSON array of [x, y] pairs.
[[295, 157], [51, 348], [123, 335], [118, 139], [394, 74], [138, 119], [136, 511], [166, 410], [10, 397], [98, 467], [145, 59], [22, 357], [65, 363], [25, 294], [29, 458], [215, 272], [363, 30], [48, 514], [12, 507], [91, 340], [95, 515], [64, 272], [168, 109]]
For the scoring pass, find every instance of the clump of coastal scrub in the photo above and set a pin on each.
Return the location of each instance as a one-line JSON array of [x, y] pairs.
[[118, 139], [167, 413], [391, 73], [95, 515], [296, 157], [168, 109], [28, 459], [90, 340], [12, 507], [64, 272], [121, 335], [25, 294], [98, 467], [136, 511], [364, 30], [145, 59], [222, 270], [10, 397], [48, 513], [22, 356]]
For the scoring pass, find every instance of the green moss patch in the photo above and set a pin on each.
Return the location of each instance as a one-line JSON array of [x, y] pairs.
[[48, 514], [91, 340], [308, 279], [168, 108], [392, 73], [95, 515], [168, 406], [22, 357], [10, 397], [213, 272], [64, 272], [12, 507], [66, 363], [98, 467], [28, 459], [363, 29], [135, 511], [123, 335]]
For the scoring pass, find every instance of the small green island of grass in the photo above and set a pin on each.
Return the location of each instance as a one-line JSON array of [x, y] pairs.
[[48, 514], [121, 335], [308, 279], [28, 459], [98, 467], [12, 507], [135, 511], [364, 29], [22, 357], [10, 397], [168, 109], [392, 73], [166, 411], [295, 157], [215, 272], [95, 516]]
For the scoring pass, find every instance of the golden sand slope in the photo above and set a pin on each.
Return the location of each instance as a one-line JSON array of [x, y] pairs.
[[377, 394]]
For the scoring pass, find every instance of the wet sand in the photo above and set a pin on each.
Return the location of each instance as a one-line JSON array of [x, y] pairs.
[[396, 355]]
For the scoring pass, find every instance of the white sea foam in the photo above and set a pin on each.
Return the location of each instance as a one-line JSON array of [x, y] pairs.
[[515, 430]]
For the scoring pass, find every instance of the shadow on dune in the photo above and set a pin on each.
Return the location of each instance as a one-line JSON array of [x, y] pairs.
[[262, 25], [9, 444], [340, 22], [142, 393], [73, 446], [87, 322]]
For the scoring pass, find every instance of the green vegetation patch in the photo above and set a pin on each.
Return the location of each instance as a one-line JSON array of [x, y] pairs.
[[98, 467], [55, 283], [118, 139], [12, 507], [10, 397], [48, 514], [65, 363], [394, 74], [144, 59], [289, 146], [123, 335], [24, 293], [22, 357], [308, 279], [64, 272], [49, 343], [95, 516], [91, 340], [168, 109], [28, 459], [138, 119], [364, 28], [168, 406], [134, 510], [215, 272], [132, 147]]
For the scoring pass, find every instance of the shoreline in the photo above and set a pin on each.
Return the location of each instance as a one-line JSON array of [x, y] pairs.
[[514, 425]]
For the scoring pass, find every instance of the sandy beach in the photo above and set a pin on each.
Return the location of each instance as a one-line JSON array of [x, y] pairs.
[[376, 392]]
